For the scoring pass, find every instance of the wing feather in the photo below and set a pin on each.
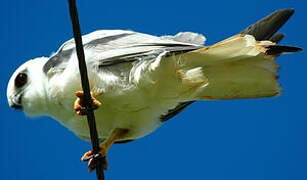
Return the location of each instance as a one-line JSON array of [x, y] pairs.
[[110, 47], [268, 26]]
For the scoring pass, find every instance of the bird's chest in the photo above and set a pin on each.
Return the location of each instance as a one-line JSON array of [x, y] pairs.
[[130, 99], [135, 110]]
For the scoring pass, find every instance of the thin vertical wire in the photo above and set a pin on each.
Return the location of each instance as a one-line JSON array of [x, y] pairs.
[[86, 88]]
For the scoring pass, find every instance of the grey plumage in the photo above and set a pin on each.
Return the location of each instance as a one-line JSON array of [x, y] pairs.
[[57, 59], [62, 56], [129, 46]]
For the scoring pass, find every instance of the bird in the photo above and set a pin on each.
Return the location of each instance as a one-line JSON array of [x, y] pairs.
[[139, 81]]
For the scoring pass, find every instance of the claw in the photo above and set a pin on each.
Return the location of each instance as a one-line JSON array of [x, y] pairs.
[[79, 103], [89, 156], [91, 165]]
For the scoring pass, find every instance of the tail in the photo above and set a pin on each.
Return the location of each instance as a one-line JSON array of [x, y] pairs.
[[242, 66], [239, 67]]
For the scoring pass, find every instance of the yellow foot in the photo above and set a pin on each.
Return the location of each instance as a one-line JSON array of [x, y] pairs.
[[79, 103], [116, 134]]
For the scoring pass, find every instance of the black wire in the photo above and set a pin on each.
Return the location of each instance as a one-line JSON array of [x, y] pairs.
[[86, 88]]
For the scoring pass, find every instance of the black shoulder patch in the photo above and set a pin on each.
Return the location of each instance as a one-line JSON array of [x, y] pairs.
[[107, 39], [63, 56], [56, 60], [171, 50]]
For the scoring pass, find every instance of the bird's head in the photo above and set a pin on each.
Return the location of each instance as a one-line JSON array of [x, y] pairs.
[[26, 89]]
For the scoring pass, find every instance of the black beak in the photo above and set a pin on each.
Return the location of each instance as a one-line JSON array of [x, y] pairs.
[[16, 106]]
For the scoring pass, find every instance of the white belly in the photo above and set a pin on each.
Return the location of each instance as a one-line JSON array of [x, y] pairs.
[[140, 118], [132, 98]]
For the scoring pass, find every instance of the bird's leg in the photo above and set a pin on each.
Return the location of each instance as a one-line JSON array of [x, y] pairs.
[[104, 147], [79, 103]]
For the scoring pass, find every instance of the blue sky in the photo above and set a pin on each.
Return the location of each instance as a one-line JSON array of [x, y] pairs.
[[238, 139]]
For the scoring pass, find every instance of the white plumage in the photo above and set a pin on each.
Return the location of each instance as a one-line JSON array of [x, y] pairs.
[[144, 80], [139, 78]]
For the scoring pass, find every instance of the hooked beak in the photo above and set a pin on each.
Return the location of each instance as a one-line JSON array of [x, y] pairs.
[[16, 102]]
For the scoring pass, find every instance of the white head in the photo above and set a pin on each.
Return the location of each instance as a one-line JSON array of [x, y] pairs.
[[25, 90]]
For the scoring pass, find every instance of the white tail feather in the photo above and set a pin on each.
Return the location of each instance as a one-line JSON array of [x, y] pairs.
[[237, 67]]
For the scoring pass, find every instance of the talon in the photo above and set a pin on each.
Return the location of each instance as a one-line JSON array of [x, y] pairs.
[[89, 156], [91, 165], [79, 105], [117, 133]]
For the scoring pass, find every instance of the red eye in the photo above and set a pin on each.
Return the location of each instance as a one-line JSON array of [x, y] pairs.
[[21, 79]]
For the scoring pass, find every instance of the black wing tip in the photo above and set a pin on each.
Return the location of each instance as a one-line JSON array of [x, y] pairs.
[[266, 27], [277, 37], [287, 10], [277, 50], [287, 13]]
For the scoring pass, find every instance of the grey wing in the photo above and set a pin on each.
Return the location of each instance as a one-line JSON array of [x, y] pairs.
[[137, 46], [58, 61], [110, 47]]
